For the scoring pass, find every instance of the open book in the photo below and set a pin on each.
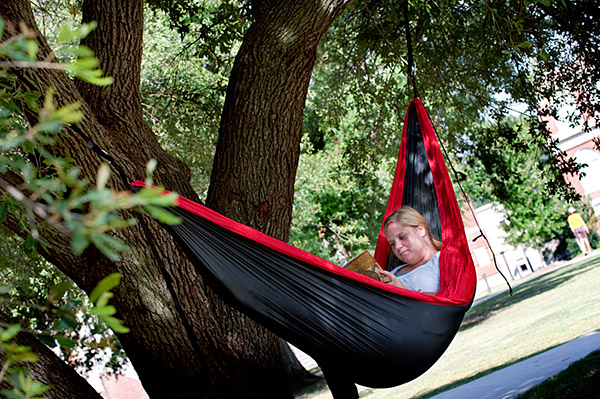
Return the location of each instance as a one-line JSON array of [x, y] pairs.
[[365, 264]]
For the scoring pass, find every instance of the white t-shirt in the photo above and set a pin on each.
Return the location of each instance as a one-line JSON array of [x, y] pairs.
[[425, 278]]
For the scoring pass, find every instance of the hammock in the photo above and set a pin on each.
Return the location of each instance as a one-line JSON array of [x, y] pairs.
[[377, 334]]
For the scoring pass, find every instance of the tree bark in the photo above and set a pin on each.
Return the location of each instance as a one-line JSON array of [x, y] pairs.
[[258, 149], [183, 338]]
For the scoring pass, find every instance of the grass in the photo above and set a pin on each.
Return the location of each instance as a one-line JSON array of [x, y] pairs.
[[580, 380], [544, 312]]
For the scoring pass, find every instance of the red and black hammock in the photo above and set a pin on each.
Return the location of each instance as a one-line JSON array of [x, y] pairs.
[[376, 334]]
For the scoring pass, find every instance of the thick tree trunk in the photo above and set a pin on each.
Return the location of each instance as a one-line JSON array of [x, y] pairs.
[[184, 340], [261, 125]]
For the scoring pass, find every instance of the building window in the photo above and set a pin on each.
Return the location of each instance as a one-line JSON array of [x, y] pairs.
[[590, 181]]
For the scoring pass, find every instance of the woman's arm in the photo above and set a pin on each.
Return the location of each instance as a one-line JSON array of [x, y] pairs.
[[391, 279]]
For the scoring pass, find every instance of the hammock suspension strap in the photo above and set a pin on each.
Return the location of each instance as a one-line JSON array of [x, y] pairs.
[[410, 72]]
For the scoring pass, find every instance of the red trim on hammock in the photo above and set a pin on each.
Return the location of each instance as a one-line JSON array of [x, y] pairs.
[[290, 250], [457, 271]]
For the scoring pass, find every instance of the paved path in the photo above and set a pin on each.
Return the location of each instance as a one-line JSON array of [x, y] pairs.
[[518, 378]]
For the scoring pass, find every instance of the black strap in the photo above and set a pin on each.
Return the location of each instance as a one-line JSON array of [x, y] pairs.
[[103, 154], [410, 71]]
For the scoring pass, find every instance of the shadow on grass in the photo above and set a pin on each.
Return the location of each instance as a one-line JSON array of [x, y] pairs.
[[528, 289]]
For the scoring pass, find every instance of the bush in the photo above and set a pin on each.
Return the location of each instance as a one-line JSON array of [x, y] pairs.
[[594, 238], [572, 246]]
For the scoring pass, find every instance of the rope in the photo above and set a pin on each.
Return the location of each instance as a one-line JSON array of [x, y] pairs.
[[103, 154], [410, 61], [411, 76]]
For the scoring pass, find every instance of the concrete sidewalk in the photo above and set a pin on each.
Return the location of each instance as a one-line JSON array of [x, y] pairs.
[[521, 377]]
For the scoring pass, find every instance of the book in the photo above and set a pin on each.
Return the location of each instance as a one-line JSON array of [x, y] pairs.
[[365, 264]]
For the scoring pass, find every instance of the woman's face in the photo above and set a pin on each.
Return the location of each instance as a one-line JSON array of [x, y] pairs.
[[408, 243]]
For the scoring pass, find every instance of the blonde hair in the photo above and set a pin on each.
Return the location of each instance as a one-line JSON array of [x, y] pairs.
[[409, 217]]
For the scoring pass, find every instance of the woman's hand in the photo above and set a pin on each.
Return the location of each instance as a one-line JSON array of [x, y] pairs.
[[390, 278]]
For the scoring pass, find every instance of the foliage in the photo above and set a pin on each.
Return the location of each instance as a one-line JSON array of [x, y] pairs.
[[44, 300], [504, 168], [336, 210], [466, 54], [100, 296], [56, 193], [46, 193], [594, 238], [352, 135], [342, 182], [23, 386], [185, 75], [59, 318], [473, 62]]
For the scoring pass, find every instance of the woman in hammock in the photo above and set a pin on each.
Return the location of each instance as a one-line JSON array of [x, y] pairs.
[[410, 237]]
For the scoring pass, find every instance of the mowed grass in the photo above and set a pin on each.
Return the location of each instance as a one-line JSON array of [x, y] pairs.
[[544, 312]]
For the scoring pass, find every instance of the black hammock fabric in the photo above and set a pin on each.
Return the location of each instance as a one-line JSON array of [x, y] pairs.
[[376, 334]]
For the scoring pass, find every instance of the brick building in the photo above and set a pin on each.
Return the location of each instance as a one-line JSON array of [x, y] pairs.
[[514, 263], [579, 145]]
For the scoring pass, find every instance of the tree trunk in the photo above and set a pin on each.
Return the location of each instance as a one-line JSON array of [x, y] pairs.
[[183, 338], [258, 149]]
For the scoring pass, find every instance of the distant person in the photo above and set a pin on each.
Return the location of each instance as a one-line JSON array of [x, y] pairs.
[[580, 230]]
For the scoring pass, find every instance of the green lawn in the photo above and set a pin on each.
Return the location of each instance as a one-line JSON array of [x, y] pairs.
[[544, 312]]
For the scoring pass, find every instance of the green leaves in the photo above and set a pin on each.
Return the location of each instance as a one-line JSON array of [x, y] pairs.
[[103, 215], [22, 49], [53, 196], [83, 64], [3, 211], [9, 333], [508, 166], [57, 193], [105, 285], [100, 296], [86, 67], [23, 386]]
